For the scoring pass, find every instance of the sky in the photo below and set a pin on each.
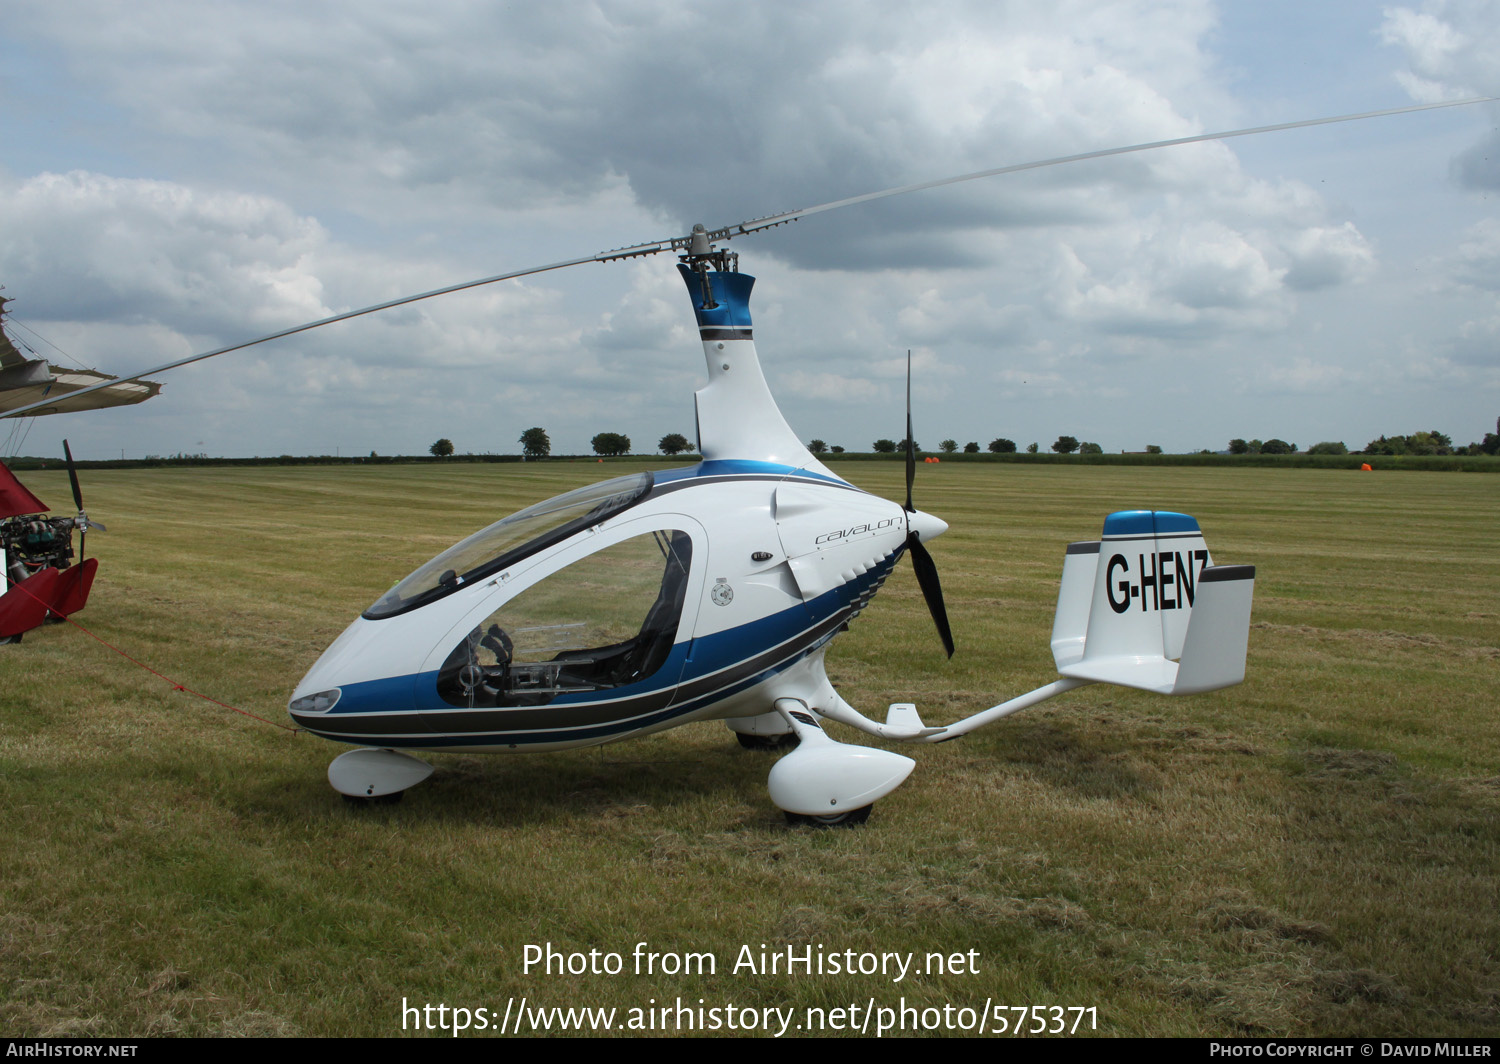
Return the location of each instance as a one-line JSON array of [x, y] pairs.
[[177, 176]]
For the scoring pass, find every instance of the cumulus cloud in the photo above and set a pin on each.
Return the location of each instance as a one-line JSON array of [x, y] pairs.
[[493, 107], [830, 387], [145, 250], [1478, 344], [1476, 263], [1170, 279], [1452, 48], [1327, 255], [270, 163]]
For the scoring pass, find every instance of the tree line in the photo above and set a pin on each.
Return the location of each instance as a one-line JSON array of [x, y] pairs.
[[1430, 442], [536, 444]]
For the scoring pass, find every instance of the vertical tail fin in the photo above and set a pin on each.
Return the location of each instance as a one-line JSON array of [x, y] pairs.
[[1155, 597]]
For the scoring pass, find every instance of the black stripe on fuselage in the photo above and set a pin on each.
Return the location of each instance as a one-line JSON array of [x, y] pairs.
[[513, 724], [727, 478]]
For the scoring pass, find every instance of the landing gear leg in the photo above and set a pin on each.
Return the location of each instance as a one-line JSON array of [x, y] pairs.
[[824, 783]]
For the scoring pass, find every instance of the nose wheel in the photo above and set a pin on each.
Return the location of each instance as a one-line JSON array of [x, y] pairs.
[[767, 743], [848, 819], [369, 775]]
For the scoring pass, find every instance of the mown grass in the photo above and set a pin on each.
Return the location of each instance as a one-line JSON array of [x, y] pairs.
[[1314, 852]]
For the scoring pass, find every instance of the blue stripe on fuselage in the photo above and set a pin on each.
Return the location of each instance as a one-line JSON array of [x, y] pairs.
[[698, 659], [741, 467]]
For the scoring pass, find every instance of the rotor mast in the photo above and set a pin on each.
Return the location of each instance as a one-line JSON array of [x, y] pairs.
[[737, 417]]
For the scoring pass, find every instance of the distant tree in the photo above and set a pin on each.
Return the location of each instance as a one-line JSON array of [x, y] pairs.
[[441, 449], [1238, 447], [837, 449], [1031, 448], [1432, 442], [971, 448], [1152, 448], [673, 443], [1275, 446], [611, 443], [1003, 446], [535, 444], [949, 446], [1328, 447], [1090, 448], [1066, 444], [817, 446], [1254, 447], [914, 446], [885, 446], [1491, 444]]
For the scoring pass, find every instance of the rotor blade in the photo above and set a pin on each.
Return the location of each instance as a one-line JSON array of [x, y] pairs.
[[603, 256], [753, 225], [73, 477], [791, 216], [932, 588], [911, 446]]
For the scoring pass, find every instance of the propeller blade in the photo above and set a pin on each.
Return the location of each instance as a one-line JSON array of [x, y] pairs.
[[921, 560], [911, 446], [73, 477], [932, 588], [701, 238]]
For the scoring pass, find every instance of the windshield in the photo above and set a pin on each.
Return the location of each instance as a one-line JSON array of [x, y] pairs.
[[509, 540]]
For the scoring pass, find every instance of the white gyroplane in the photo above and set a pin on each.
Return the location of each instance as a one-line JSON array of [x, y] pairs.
[[726, 582], [713, 592]]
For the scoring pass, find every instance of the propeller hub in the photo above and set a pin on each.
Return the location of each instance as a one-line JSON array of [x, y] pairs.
[[926, 527]]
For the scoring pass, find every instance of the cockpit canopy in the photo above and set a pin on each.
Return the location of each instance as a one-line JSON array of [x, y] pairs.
[[509, 540]]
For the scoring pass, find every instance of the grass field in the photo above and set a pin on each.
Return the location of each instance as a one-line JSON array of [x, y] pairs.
[[1314, 852]]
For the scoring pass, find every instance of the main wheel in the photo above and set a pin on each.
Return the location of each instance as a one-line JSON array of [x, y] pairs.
[[847, 819], [784, 741]]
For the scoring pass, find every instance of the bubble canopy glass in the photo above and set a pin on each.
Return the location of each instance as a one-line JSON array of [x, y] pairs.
[[509, 540]]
